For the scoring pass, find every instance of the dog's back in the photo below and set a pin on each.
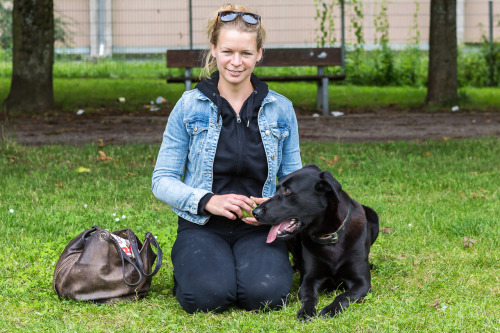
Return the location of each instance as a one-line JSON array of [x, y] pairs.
[[372, 218]]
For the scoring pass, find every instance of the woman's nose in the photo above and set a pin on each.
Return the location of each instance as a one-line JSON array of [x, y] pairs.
[[236, 59]]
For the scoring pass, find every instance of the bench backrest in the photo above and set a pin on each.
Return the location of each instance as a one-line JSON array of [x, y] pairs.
[[331, 56]]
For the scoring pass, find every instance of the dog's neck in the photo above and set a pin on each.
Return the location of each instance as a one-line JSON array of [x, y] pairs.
[[327, 238]]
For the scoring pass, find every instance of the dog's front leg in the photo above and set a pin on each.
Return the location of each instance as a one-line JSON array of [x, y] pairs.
[[308, 295], [342, 301]]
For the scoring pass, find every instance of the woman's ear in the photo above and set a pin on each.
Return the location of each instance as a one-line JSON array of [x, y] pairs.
[[212, 49], [259, 55]]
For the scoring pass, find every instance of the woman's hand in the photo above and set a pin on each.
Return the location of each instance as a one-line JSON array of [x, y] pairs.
[[229, 205], [252, 220]]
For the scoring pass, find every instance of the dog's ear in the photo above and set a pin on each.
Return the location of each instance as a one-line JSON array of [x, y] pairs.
[[328, 184], [312, 166]]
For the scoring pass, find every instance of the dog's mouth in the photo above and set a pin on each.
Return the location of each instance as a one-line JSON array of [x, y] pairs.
[[285, 230]]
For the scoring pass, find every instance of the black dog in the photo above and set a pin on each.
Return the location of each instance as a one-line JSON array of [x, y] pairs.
[[329, 235]]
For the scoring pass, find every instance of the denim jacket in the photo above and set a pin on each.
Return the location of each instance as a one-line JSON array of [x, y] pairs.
[[184, 169]]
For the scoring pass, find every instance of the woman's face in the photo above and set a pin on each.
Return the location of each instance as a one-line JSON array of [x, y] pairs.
[[236, 54]]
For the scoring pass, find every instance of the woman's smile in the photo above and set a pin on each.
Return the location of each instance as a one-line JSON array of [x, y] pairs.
[[236, 54]]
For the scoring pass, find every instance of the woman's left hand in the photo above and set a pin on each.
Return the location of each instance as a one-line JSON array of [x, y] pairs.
[[251, 220]]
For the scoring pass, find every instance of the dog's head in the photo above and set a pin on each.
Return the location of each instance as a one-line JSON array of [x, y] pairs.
[[301, 198]]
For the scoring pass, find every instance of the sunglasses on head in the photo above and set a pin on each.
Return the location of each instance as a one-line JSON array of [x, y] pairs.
[[229, 15]]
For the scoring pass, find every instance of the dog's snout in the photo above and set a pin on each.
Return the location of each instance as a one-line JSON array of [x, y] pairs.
[[257, 212]]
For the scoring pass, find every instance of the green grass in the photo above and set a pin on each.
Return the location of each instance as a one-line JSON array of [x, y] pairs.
[[430, 194], [96, 95]]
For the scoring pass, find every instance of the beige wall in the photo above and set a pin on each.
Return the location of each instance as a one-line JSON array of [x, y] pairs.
[[75, 13], [156, 25]]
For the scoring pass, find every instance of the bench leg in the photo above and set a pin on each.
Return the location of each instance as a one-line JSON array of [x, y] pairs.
[[324, 96], [319, 97], [187, 73]]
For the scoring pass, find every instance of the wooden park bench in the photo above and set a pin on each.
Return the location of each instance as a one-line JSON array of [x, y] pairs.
[[319, 57]]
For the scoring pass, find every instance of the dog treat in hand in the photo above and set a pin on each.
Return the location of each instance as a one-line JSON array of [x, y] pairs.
[[245, 213]]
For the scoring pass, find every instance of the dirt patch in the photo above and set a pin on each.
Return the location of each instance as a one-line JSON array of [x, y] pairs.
[[382, 125]]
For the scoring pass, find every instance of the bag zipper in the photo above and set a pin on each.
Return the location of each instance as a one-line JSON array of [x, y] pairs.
[[66, 261]]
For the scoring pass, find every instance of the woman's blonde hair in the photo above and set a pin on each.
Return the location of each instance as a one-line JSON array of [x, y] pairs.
[[214, 28]]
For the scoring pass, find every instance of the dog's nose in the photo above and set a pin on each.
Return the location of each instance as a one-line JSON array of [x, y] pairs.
[[257, 212]]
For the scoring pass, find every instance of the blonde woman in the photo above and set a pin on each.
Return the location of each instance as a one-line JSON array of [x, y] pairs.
[[226, 144]]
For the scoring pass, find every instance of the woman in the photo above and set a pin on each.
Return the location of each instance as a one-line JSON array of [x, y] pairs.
[[225, 143]]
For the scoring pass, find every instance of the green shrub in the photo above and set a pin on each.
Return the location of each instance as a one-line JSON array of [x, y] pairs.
[[380, 67]]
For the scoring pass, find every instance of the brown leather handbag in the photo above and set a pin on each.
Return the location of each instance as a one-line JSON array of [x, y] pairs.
[[95, 267]]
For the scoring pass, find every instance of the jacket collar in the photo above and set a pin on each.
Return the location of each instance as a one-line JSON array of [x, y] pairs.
[[202, 97]]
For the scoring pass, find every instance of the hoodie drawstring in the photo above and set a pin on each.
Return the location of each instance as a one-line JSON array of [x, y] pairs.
[[250, 107]]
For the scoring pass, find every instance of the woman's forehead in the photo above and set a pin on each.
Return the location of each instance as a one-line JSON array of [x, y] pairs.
[[236, 36]]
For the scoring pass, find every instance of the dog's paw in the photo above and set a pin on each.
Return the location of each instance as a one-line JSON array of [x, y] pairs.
[[331, 311], [306, 314]]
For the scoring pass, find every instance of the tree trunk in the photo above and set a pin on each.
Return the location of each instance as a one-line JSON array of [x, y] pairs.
[[442, 85], [31, 88]]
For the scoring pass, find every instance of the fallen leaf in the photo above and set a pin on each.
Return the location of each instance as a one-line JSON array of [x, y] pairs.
[[104, 157], [100, 143], [332, 162], [468, 241], [386, 230], [427, 153], [477, 195], [83, 169], [335, 160], [437, 304], [129, 175], [445, 138], [12, 159]]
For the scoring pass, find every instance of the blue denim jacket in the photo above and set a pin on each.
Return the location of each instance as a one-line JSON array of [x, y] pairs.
[[184, 169]]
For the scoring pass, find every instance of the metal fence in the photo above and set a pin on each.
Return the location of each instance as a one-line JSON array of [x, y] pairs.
[[108, 27], [140, 32]]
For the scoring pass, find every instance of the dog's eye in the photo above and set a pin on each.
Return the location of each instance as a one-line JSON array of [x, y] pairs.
[[287, 191]]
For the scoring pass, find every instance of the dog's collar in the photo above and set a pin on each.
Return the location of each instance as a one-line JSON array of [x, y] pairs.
[[333, 238]]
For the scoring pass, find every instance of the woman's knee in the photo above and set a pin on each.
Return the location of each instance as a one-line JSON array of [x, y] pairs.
[[263, 296], [207, 297]]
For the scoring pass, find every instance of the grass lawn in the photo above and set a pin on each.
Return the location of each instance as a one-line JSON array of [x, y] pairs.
[[429, 195], [95, 95]]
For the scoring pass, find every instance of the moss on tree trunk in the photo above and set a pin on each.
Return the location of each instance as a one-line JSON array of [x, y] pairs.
[[31, 87], [442, 85]]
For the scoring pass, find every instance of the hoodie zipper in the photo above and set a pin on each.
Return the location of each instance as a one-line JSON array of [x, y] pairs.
[[239, 136]]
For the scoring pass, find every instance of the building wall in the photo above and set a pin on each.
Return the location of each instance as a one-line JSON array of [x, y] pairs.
[[156, 25]]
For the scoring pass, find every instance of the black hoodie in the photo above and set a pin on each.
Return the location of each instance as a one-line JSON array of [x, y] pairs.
[[240, 164]]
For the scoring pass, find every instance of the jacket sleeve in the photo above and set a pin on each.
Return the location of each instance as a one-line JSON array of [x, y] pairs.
[[167, 185], [291, 160]]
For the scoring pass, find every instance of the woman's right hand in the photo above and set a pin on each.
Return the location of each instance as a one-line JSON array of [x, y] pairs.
[[229, 205]]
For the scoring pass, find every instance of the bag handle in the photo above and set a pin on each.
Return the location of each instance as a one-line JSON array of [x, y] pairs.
[[124, 258], [135, 250], [159, 253], [89, 232]]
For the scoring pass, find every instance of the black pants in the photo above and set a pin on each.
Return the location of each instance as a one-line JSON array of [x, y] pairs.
[[228, 262]]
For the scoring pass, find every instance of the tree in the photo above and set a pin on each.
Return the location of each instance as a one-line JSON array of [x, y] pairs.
[[442, 83], [31, 86]]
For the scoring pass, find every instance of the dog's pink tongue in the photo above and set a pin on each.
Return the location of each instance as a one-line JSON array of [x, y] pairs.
[[271, 236]]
